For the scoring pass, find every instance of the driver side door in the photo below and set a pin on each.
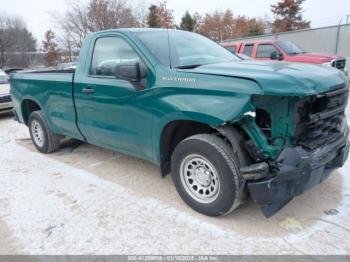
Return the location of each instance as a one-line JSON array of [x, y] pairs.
[[112, 111], [265, 51]]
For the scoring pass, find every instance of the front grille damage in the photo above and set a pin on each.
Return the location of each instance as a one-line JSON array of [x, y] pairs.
[[339, 64], [309, 122], [319, 118], [316, 136]]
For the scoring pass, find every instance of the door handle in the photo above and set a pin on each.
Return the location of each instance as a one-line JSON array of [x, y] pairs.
[[88, 90]]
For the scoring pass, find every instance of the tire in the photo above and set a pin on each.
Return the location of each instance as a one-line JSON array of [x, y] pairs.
[[42, 137], [212, 159]]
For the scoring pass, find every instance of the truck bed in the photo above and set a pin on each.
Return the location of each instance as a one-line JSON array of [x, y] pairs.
[[51, 89]]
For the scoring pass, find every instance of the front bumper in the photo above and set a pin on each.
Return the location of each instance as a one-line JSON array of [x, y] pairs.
[[5, 107], [298, 171], [5, 103]]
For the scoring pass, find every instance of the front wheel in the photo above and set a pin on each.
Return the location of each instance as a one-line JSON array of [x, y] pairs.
[[206, 174], [43, 138]]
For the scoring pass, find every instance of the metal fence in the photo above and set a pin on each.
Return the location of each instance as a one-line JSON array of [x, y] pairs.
[[24, 59], [328, 40]]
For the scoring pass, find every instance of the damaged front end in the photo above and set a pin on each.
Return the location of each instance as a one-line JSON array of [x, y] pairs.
[[295, 143]]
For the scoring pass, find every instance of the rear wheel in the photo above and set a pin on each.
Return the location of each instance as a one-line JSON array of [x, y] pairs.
[[43, 138], [206, 174]]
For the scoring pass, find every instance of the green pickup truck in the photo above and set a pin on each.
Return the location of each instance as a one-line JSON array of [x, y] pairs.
[[226, 129]]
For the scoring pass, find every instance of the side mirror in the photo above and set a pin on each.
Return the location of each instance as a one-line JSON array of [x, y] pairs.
[[132, 73], [143, 70], [276, 56], [280, 56]]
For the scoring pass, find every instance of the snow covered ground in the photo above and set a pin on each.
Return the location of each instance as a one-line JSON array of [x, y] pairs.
[[87, 200]]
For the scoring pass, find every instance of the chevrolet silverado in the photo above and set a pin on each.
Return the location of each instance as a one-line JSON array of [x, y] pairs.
[[225, 128]]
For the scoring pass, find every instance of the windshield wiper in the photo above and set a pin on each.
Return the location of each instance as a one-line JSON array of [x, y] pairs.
[[188, 66], [297, 53]]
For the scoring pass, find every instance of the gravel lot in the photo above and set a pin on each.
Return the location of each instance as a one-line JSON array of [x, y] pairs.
[[87, 200]]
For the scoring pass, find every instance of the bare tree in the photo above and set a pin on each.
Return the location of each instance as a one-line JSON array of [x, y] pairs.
[[81, 19], [213, 26], [221, 26], [51, 48], [104, 14], [166, 17], [73, 24], [4, 38], [141, 11], [14, 37], [65, 42]]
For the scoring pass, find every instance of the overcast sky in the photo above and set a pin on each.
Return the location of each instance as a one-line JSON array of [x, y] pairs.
[[37, 13]]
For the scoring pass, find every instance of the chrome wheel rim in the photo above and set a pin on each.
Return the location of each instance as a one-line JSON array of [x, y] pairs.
[[199, 178], [38, 133]]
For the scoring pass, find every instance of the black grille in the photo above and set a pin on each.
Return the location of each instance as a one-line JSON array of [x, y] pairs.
[[339, 63], [319, 118], [5, 99]]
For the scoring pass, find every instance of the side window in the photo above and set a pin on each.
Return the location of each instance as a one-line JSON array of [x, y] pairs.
[[248, 49], [265, 50], [109, 54], [232, 49]]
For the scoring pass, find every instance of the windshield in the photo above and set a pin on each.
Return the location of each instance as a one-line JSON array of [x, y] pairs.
[[290, 48], [187, 50]]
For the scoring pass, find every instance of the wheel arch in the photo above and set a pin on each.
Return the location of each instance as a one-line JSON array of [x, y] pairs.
[[172, 134], [176, 131], [29, 105]]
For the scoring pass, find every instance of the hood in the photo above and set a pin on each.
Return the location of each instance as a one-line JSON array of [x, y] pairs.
[[280, 78], [314, 58], [4, 89]]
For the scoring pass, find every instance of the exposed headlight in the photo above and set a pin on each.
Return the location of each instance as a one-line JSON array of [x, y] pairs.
[[327, 64]]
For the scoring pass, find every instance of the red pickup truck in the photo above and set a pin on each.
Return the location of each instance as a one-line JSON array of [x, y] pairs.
[[283, 50]]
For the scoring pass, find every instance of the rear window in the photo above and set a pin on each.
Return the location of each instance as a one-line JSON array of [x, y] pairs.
[[232, 49], [248, 49]]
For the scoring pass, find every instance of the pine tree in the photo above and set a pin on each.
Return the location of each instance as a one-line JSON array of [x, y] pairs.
[[160, 16], [50, 47], [187, 22], [153, 19], [288, 16]]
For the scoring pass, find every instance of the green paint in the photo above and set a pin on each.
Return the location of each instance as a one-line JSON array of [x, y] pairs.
[[119, 117], [259, 139]]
